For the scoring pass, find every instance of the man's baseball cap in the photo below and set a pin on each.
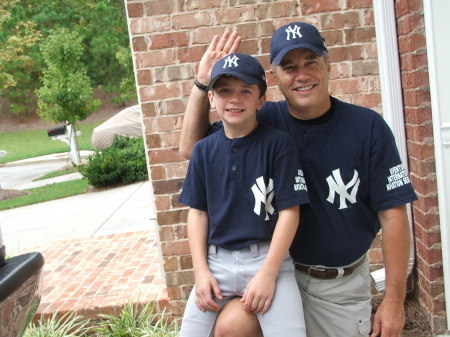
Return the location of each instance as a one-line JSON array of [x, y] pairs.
[[295, 35], [242, 66]]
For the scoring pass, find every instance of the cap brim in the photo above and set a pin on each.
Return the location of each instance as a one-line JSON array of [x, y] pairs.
[[237, 75], [318, 51]]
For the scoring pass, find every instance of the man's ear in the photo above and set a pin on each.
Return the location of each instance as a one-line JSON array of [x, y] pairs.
[[211, 99]]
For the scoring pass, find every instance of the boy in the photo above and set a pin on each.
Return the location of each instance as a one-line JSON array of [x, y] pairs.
[[244, 186]]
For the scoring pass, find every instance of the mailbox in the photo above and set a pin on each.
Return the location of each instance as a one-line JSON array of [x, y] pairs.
[[56, 130]]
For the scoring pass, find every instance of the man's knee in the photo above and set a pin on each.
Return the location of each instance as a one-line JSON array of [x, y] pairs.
[[234, 321]]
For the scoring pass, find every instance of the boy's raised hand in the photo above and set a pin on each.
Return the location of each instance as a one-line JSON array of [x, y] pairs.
[[227, 44], [205, 287]]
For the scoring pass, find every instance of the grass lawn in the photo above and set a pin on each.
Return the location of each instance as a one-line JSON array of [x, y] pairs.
[[46, 193], [35, 143]]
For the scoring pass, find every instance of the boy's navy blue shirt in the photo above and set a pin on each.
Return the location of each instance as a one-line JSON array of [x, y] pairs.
[[242, 183], [352, 168]]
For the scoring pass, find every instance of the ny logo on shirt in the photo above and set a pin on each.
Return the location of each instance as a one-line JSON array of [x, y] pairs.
[[336, 185], [263, 194], [231, 61], [293, 32]]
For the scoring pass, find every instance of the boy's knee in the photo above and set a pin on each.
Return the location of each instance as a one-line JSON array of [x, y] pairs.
[[233, 321]]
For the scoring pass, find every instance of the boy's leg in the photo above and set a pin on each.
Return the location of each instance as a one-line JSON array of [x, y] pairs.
[[196, 323], [285, 315], [337, 307], [234, 321]]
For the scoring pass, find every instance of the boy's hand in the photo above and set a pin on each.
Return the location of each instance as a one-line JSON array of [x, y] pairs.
[[205, 286], [228, 44], [259, 293]]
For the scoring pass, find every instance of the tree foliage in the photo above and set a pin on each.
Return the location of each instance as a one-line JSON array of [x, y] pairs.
[[66, 95], [17, 40], [101, 26]]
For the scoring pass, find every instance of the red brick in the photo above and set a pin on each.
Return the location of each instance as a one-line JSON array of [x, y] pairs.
[[278, 9], [139, 43], [169, 40], [148, 109], [157, 172], [164, 156], [248, 30], [319, 6], [159, 91], [236, 14], [359, 35], [190, 54], [157, 7], [355, 4], [171, 217], [144, 77], [155, 58], [149, 25], [170, 139], [338, 20], [177, 170], [414, 80], [345, 53], [411, 43], [406, 7], [167, 186], [153, 141], [191, 20], [135, 10], [203, 4]]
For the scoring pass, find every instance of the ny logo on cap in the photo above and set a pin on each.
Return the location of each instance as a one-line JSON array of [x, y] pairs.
[[293, 32], [231, 61]]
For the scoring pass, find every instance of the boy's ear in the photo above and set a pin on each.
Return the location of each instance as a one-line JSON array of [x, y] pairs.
[[261, 101], [211, 99]]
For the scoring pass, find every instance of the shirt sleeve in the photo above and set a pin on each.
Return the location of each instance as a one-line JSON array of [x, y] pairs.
[[193, 192], [390, 183]]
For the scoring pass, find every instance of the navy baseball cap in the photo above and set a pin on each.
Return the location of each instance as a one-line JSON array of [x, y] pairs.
[[295, 35], [242, 66]]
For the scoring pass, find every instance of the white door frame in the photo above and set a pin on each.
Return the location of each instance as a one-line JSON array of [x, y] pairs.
[[437, 28]]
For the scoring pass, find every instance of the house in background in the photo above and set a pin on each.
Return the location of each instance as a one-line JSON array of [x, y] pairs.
[[391, 56]]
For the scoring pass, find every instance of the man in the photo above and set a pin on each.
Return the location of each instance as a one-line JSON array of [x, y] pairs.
[[356, 184]]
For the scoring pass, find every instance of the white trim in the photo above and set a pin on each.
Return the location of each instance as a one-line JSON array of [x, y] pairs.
[[438, 54], [391, 88]]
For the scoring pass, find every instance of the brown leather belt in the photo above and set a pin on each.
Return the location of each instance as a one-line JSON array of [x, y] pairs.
[[329, 273]]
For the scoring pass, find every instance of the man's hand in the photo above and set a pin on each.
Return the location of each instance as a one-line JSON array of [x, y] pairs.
[[389, 319], [227, 44], [205, 287], [259, 293]]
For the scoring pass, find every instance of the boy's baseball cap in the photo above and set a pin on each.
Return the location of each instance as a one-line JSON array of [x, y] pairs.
[[242, 66], [295, 35]]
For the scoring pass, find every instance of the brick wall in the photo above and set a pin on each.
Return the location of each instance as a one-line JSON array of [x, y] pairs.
[[419, 130], [168, 39]]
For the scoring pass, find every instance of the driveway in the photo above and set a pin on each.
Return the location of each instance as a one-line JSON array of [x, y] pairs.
[[116, 210]]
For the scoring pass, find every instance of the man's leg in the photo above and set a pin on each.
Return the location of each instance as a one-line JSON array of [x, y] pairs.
[[234, 321]]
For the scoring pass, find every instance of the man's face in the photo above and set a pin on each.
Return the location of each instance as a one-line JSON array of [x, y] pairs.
[[302, 77], [236, 102]]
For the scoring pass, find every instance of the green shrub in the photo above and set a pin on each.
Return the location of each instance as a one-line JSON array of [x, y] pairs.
[[121, 163], [135, 322], [68, 325]]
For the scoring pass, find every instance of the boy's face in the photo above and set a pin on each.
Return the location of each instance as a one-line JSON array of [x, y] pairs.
[[236, 102]]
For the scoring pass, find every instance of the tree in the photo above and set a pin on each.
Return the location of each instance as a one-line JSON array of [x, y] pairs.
[[89, 19], [21, 36], [66, 94]]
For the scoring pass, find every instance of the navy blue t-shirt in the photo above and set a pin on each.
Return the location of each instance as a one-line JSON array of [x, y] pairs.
[[242, 183], [352, 168]]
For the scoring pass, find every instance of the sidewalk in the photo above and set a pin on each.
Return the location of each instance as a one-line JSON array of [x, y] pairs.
[[100, 248]]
